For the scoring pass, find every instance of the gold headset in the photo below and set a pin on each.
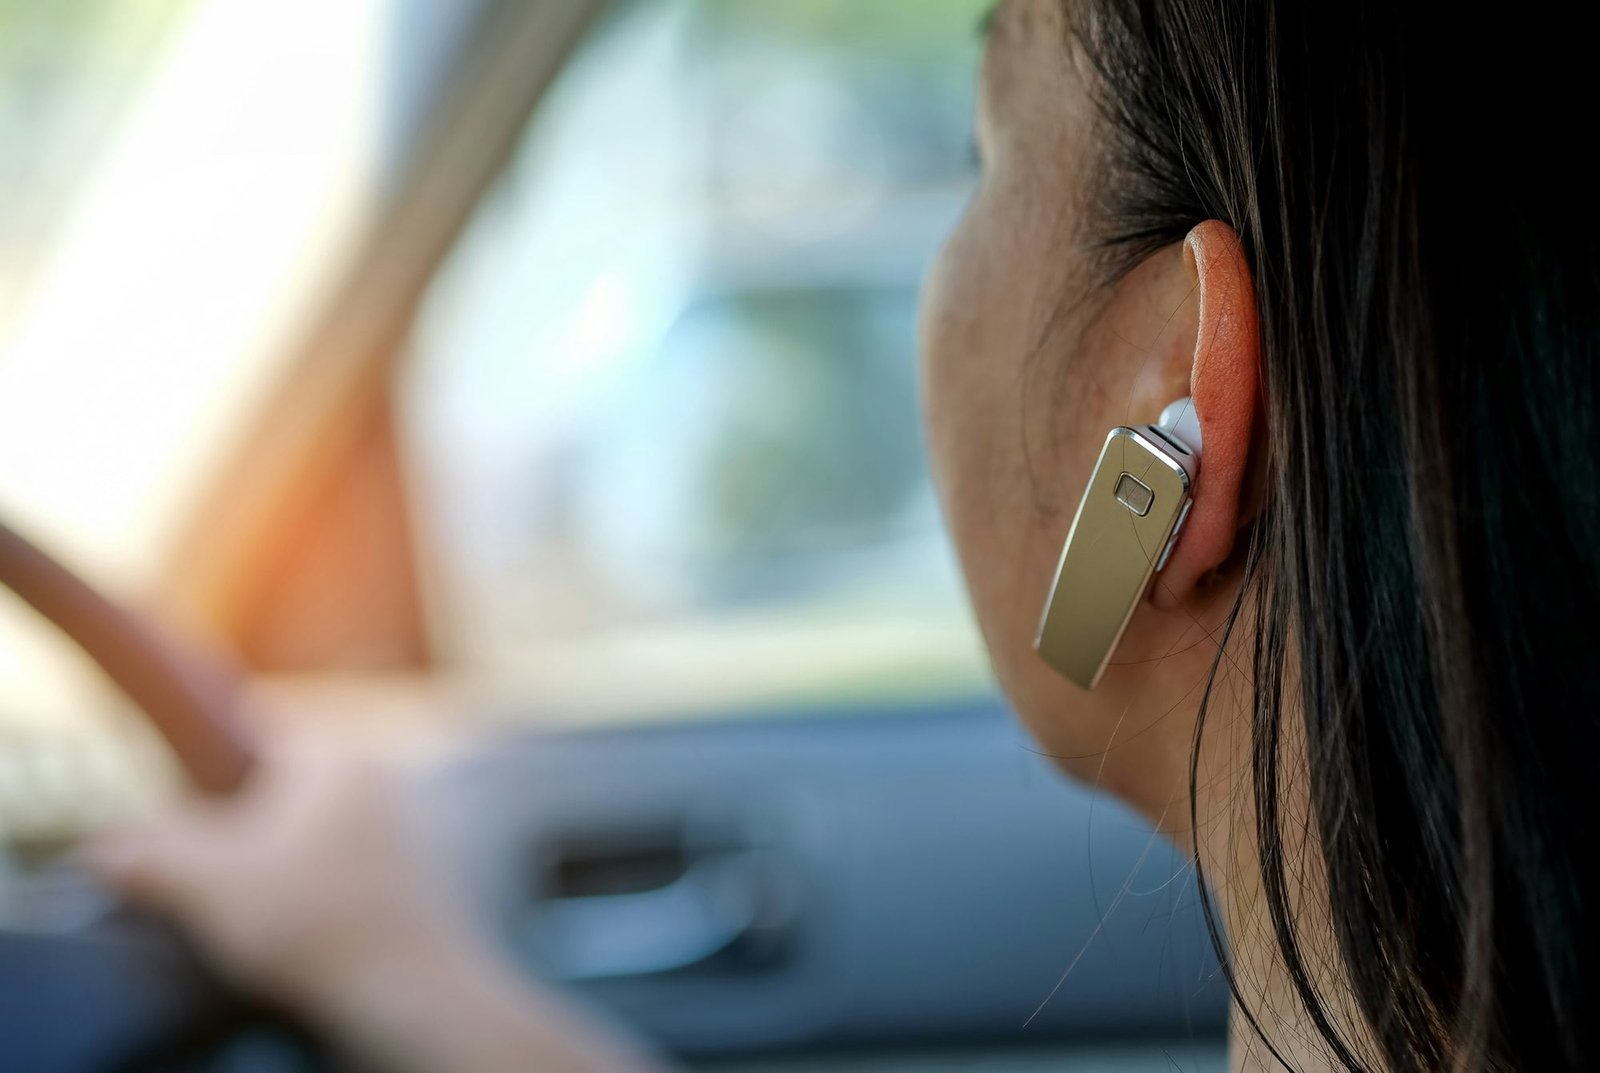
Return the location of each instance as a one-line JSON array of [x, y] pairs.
[[1127, 523]]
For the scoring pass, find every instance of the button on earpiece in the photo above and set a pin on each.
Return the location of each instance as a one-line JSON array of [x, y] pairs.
[[1134, 494]]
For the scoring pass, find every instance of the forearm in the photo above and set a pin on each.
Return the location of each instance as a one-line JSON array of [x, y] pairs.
[[446, 1003]]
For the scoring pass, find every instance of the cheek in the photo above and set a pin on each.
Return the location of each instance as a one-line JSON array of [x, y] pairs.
[[970, 362], [955, 343], [994, 440], [1014, 417]]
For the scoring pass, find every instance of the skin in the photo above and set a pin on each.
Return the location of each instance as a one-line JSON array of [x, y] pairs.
[[1030, 355]]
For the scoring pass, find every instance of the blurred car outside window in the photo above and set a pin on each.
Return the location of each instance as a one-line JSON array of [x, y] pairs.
[[660, 407]]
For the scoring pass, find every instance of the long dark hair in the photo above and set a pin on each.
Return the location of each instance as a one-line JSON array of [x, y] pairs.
[[1414, 200]]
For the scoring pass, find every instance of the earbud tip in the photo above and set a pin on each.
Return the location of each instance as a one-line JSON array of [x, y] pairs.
[[1181, 420]]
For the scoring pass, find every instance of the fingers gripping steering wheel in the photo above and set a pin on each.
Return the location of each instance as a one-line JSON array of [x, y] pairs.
[[170, 1014]]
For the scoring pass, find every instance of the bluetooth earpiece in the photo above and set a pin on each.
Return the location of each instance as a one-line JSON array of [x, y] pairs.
[[1125, 528]]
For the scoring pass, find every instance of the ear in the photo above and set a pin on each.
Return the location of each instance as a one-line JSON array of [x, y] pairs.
[[1223, 381]]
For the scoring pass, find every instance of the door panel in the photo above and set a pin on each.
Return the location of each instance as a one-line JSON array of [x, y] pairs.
[[836, 879]]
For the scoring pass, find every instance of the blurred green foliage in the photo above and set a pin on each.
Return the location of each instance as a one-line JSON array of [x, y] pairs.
[[71, 20], [907, 28], [48, 47]]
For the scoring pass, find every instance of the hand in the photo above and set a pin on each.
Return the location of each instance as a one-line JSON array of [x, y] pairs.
[[304, 877], [310, 887]]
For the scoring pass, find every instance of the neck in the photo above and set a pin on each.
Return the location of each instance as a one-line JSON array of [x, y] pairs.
[[1226, 842]]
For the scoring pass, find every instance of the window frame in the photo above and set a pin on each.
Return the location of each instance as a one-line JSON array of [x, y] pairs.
[[314, 481]]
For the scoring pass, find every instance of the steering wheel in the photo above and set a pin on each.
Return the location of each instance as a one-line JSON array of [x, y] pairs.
[[126, 993]]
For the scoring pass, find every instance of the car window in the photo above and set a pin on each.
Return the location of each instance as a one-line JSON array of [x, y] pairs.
[[172, 206], [169, 203], [66, 71], [661, 404]]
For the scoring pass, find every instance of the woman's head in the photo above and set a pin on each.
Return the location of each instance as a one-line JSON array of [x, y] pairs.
[[1370, 255]]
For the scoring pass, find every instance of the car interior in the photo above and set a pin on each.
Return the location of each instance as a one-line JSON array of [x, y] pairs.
[[528, 388]]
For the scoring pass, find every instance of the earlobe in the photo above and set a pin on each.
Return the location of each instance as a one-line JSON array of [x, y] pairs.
[[1224, 385]]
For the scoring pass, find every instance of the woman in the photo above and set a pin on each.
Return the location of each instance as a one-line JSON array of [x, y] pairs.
[[1359, 691]]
